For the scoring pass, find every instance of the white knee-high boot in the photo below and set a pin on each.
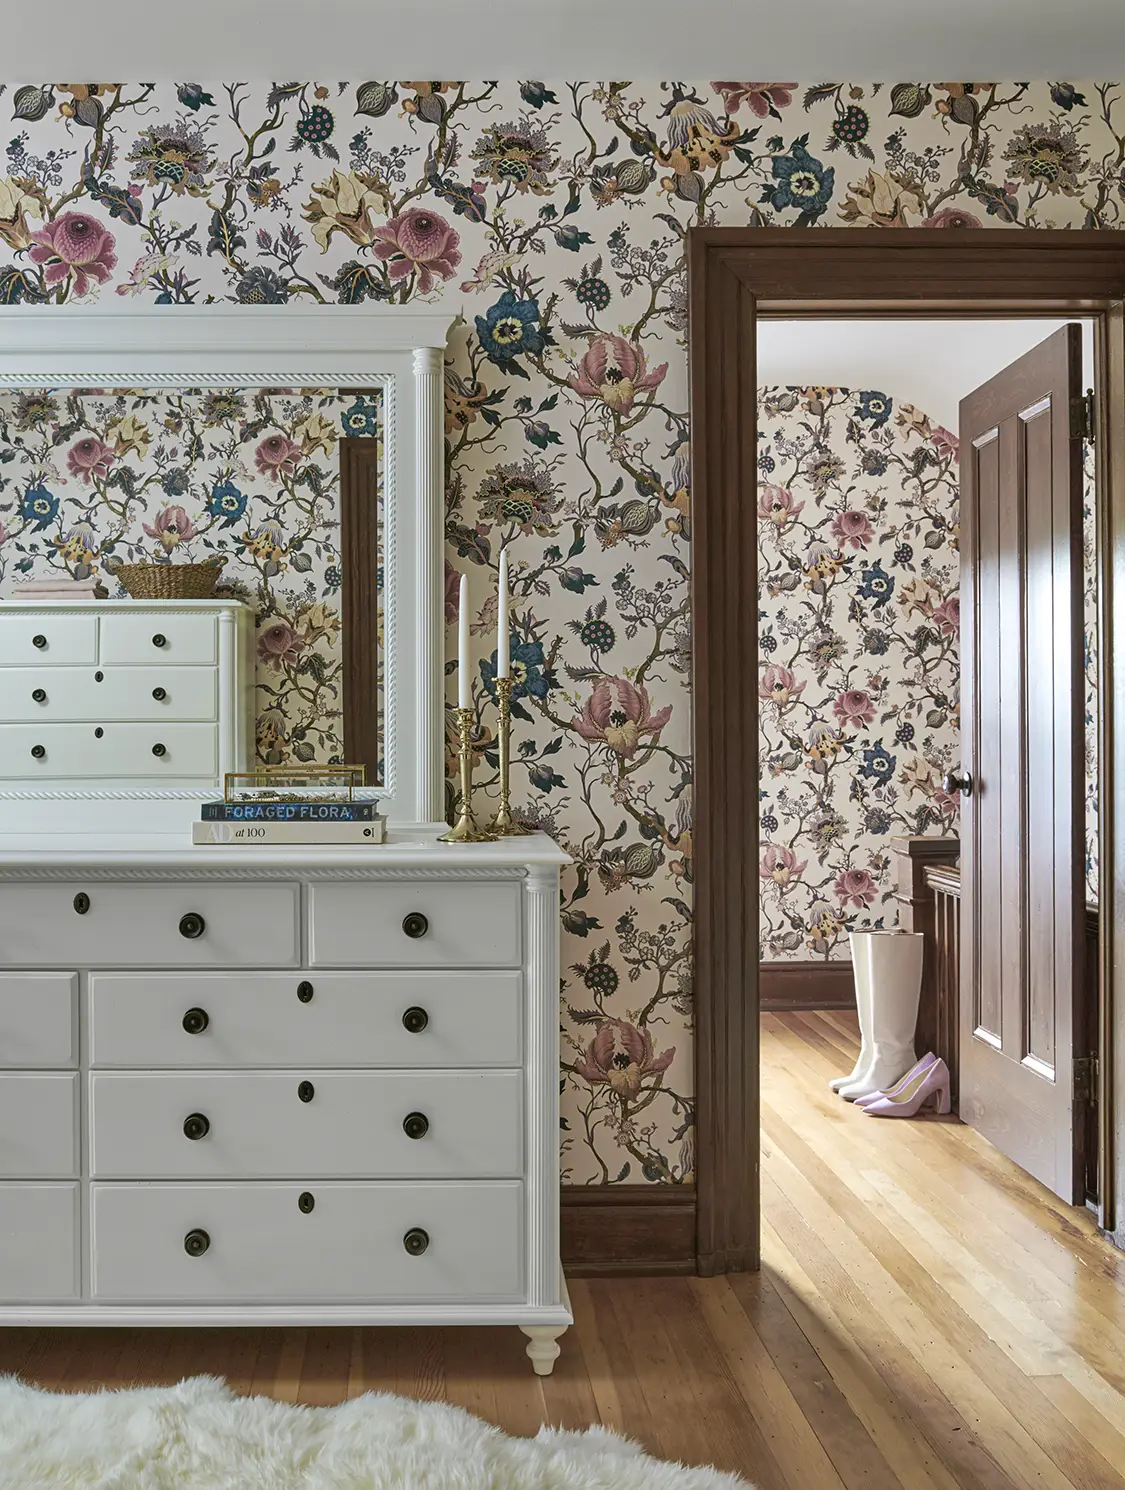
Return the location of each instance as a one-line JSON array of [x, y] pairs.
[[895, 985], [861, 972]]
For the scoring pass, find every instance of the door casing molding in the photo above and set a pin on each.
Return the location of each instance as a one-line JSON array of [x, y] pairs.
[[736, 276]]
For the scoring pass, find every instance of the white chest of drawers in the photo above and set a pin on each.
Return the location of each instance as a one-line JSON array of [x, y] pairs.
[[257, 1085], [149, 692]]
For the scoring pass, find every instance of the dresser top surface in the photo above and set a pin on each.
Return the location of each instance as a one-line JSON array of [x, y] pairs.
[[404, 849], [92, 604]]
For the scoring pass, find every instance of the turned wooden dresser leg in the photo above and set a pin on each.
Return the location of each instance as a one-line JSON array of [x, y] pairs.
[[543, 1346]]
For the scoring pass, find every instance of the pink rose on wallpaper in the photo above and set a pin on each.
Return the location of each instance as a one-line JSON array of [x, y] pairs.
[[621, 1056], [855, 887], [88, 459], [854, 707], [945, 442], [277, 456], [77, 245], [951, 217], [421, 240], [279, 644], [778, 685], [853, 528], [948, 616], [781, 864], [172, 527], [614, 370], [618, 714], [776, 505], [761, 98]]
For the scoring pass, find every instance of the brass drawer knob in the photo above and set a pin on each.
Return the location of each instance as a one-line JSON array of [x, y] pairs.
[[415, 1020], [195, 1021], [416, 1241], [196, 1127], [415, 924], [196, 1242], [192, 926], [416, 1125]]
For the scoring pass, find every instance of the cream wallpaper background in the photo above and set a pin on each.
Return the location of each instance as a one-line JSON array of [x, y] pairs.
[[553, 214]]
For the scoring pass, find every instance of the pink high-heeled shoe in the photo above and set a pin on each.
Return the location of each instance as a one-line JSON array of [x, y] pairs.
[[908, 1101], [927, 1060]]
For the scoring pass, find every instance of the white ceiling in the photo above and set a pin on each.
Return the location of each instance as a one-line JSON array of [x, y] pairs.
[[932, 364], [807, 40]]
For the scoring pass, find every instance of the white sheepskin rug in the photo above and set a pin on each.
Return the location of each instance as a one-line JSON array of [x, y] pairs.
[[201, 1436]]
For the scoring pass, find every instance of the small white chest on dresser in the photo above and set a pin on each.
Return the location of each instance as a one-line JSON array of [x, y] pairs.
[[149, 692], [262, 1086]]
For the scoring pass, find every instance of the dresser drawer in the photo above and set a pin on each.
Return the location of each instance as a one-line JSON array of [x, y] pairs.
[[32, 640], [456, 924], [261, 1246], [151, 752], [129, 924], [312, 1124], [140, 638], [38, 1244], [38, 1126], [37, 1019], [103, 696], [293, 1019]]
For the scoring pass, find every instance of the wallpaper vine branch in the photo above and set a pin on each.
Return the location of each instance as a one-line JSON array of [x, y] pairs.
[[555, 215]]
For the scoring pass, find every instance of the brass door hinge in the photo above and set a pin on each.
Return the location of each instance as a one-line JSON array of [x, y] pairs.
[[1082, 416], [1086, 1079]]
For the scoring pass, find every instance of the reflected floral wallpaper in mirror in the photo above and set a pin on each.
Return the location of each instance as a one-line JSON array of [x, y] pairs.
[[553, 216]]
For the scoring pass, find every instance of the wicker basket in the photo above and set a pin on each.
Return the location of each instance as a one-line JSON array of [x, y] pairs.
[[171, 581]]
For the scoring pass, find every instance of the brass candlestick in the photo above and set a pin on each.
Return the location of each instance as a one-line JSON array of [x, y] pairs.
[[504, 825], [467, 830]]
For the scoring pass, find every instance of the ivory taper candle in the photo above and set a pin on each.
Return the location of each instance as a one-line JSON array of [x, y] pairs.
[[464, 691], [502, 665]]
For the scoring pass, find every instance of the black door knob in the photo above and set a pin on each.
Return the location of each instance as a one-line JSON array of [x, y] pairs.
[[416, 1241], [160, 640], [39, 695], [196, 1243], [415, 924], [192, 926], [305, 1201], [39, 751], [306, 1091], [39, 642], [957, 781], [160, 694], [415, 1020], [416, 1125], [305, 991], [196, 1126], [81, 902], [159, 749], [195, 1021]]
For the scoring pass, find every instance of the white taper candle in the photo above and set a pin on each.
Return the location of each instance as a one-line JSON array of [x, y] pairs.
[[464, 690], [502, 618]]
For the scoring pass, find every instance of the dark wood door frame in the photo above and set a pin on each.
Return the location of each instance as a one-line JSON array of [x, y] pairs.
[[737, 275]]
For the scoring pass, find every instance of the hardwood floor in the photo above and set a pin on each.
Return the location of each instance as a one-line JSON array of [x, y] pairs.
[[927, 1317]]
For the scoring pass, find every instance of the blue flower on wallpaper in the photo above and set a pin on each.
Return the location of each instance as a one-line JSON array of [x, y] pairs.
[[531, 678], [876, 585], [874, 406], [802, 182], [878, 765], [227, 502], [39, 506], [362, 418], [508, 329]]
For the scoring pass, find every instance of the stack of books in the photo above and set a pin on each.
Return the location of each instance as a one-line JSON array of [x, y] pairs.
[[290, 821]]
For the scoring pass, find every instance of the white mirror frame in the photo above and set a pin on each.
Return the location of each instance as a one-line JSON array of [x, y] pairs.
[[242, 346]]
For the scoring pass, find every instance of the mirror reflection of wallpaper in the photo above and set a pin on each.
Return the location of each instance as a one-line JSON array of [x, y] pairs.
[[858, 667], [93, 478]]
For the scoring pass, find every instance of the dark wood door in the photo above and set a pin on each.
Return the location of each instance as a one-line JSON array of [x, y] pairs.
[[1023, 902]]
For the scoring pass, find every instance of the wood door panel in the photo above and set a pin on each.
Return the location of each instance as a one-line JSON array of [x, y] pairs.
[[1023, 897]]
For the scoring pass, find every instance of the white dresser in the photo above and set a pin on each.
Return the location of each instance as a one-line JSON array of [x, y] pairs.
[[152, 693], [263, 1086]]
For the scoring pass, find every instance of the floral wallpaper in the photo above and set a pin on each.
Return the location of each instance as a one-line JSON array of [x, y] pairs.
[[94, 478], [553, 214], [858, 668]]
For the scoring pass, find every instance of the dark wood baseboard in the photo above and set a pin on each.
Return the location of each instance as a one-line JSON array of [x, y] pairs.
[[628, 1230], [806, 985]]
